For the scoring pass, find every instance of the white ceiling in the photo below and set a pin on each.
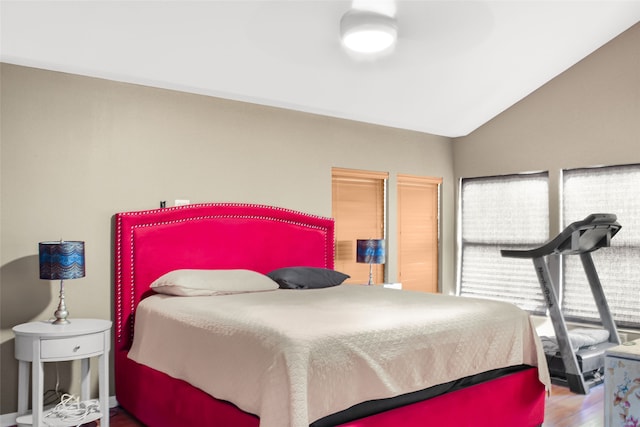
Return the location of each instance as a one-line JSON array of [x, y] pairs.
[[456, 65]]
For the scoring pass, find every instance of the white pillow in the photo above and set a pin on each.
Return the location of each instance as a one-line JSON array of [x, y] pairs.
[[212, 282]]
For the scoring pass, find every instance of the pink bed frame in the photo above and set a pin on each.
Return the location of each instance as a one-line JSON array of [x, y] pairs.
[[262, 238]]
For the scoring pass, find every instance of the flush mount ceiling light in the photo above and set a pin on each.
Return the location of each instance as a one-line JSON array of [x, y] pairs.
[[367, 32]]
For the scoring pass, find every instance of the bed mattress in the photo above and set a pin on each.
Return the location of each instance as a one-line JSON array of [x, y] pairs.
[[295, 356]]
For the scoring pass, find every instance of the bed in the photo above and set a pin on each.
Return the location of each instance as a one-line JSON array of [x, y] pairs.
[[261, 239]]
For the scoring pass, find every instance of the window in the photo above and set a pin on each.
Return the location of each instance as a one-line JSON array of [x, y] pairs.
[[502, 212], [358, 207], [616, 190], [418, 202]]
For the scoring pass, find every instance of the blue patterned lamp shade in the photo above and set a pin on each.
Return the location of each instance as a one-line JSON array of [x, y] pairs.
[[371, 251], [60, 261]]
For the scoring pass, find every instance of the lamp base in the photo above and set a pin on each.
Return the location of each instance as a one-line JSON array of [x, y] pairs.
[[61, 313]]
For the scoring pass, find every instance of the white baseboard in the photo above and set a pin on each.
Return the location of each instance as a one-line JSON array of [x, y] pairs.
[[9, 420]]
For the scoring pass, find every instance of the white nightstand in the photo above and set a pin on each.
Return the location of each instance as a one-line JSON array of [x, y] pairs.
[[39, 342]]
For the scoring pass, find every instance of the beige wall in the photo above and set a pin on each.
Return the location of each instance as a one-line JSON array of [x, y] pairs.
[[76, 150], [587, 116]]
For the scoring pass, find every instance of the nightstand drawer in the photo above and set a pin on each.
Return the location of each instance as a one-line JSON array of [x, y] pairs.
[[74, 347]]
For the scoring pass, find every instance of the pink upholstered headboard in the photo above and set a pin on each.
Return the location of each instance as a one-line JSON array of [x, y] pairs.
[[209, 236]]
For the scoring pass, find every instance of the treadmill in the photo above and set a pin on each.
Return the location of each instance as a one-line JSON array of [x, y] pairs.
[[584, 368]]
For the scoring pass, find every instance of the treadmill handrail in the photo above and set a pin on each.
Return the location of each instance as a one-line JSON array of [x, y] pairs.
[[593, 232]]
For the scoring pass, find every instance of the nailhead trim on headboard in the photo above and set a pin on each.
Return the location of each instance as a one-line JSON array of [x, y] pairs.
[[119, 236]]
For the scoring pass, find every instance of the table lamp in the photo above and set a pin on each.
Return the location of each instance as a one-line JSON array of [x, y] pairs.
[[61, 260], [370, 251]]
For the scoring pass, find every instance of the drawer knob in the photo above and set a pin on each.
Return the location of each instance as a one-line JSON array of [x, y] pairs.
[[76, 348]]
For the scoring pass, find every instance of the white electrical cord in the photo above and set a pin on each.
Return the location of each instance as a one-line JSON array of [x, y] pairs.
[[71, 410]]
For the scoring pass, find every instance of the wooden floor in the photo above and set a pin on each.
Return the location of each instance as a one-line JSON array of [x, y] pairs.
[[564, 409]]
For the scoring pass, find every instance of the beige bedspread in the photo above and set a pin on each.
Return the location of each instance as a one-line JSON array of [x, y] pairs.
[[294, 356]]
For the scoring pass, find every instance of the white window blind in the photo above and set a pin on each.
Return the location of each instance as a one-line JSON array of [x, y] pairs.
[[616, 190], [503, 212]]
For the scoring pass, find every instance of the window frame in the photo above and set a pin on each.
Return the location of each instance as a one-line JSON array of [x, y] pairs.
[[427, 262], [471, 281], [625, 246], [345, 249]]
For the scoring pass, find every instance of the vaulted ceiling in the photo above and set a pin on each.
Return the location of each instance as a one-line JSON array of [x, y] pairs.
[[456, 64]]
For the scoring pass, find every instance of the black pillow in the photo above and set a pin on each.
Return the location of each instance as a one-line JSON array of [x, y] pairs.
[[307, 277]]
